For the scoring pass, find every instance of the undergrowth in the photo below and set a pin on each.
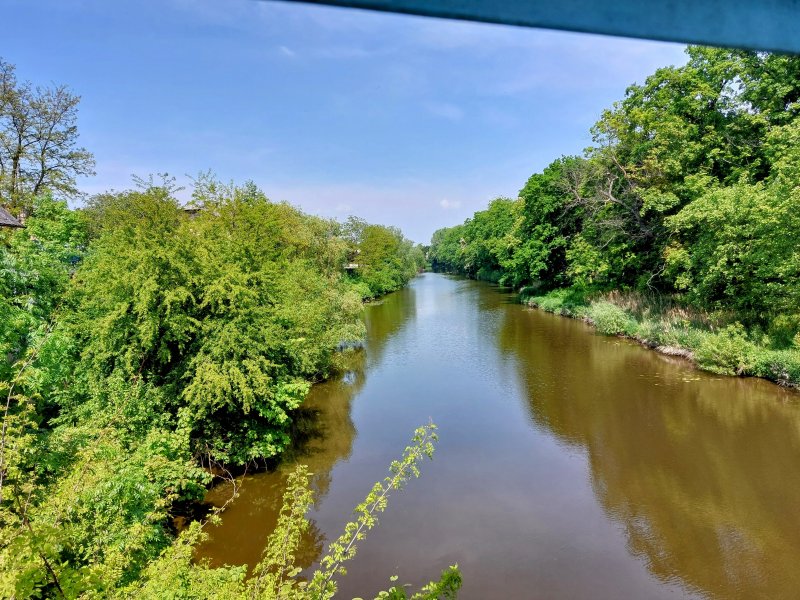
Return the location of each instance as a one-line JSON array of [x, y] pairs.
[[714, 342]]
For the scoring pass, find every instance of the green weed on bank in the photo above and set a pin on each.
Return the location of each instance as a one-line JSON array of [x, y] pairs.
[[727, 350]]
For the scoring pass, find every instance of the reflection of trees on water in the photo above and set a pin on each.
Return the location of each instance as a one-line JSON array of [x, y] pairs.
[[329, 432], [701, 472], [249, 522], [323, 434], [385, 318]]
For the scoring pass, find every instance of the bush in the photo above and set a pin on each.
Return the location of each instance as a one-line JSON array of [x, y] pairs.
[[650, 331], [782, 366], [685, 337], [774, 355], [570, 302], [489, 274], [727, 352], [553, 304], [784, 331], [363, 290], [611, 319]]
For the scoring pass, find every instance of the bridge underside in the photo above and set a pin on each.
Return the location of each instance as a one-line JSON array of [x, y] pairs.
[[754, 24]]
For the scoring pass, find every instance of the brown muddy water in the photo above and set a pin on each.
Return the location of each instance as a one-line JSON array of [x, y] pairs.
[[570, 465]]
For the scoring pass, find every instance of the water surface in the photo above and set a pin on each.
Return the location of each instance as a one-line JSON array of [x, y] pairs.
[[570, 465]]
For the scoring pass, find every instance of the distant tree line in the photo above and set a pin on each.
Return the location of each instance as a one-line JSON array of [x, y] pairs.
[[383, 259], [690, 189]]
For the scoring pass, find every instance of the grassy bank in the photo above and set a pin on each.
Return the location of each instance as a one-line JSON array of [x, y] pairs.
[[716, 343]]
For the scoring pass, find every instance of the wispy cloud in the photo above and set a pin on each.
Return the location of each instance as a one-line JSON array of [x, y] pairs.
[[388, 116], [499, 117], [449, 204]]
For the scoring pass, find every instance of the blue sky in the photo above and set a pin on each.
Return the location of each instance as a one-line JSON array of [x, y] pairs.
[[402, 120]]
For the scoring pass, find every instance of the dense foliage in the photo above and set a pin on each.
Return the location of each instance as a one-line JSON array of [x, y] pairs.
[[146, 343], [175, 574], [148, 346], [383, 259], [232, 313], [691, 189]]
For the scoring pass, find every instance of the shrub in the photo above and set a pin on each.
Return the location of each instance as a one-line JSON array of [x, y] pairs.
[[784, 331], [610, 319], [727, 352], [554, 304], [363, 290], [569, 302], [782, 366], [685, 337], [490, 274]]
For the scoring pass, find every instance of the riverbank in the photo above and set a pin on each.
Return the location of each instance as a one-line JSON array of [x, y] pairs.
[[667, 327]]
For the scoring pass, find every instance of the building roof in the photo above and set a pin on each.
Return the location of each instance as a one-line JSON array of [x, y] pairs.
[[7, 219]]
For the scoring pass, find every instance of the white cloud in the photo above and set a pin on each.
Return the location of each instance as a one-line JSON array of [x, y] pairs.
[[486, 83], [450, 204]]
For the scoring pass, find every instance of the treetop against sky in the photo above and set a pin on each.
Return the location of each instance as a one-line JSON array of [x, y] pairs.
[[403, 120]]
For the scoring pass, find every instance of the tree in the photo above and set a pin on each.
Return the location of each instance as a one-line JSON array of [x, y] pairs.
[[737, 248], [386, 259], [481, 246], [38, 142], [549, 219], [446, 250], [36, 264], [233, 312], [487, 239]]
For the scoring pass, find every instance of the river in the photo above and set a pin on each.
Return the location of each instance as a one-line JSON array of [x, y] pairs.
[[570, 465]]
